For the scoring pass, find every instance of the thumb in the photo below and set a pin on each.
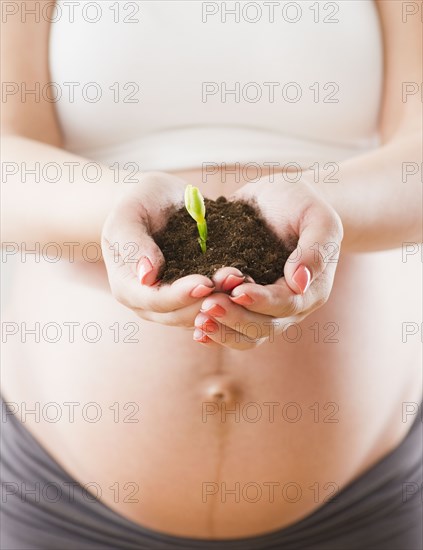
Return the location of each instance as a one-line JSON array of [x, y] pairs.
[[126, 242], [318, 246], [149, 260]]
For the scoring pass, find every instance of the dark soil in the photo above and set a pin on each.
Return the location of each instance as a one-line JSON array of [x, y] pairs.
[[237, 237]]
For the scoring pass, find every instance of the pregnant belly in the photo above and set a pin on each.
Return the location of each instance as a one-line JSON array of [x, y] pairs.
[[213, 443]]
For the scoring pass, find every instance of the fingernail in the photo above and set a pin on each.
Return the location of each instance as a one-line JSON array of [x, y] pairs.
[[302, 278], [242, 300], [199, 336], [200, 291], [214, 310], [232, 281], [143, 269], [210, 326]]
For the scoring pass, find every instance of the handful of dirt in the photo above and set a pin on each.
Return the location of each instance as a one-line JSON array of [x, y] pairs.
[[238, 237]]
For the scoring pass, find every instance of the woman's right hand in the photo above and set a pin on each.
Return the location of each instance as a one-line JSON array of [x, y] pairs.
[[133, 260]]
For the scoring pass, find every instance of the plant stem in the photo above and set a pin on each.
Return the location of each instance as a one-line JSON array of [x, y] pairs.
[[202, 231]]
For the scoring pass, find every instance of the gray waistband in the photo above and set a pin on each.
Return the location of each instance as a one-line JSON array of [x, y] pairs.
[[382, 509]]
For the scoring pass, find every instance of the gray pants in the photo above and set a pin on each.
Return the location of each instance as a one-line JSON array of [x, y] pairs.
[[381, 510]]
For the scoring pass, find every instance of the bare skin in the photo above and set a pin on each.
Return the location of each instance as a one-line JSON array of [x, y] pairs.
[[176, 459]]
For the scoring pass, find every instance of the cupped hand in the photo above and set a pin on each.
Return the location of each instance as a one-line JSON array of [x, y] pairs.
[[249, 314], [133, 260]]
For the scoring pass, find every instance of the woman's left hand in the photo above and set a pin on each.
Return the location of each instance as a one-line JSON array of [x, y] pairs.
[[252, 314]]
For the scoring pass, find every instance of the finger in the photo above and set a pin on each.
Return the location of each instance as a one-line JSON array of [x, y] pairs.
[[320, 235], [227, 278], [128, 230], [276, 300], [183, 317], [209, 330], [201, 338], [128, 243], [133, 260], [220, 308], [162, 299]]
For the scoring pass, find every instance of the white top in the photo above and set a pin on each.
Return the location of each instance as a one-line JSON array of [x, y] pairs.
[[175, 84]]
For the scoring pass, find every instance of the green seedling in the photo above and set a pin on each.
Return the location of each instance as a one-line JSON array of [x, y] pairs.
[[194, 203]]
